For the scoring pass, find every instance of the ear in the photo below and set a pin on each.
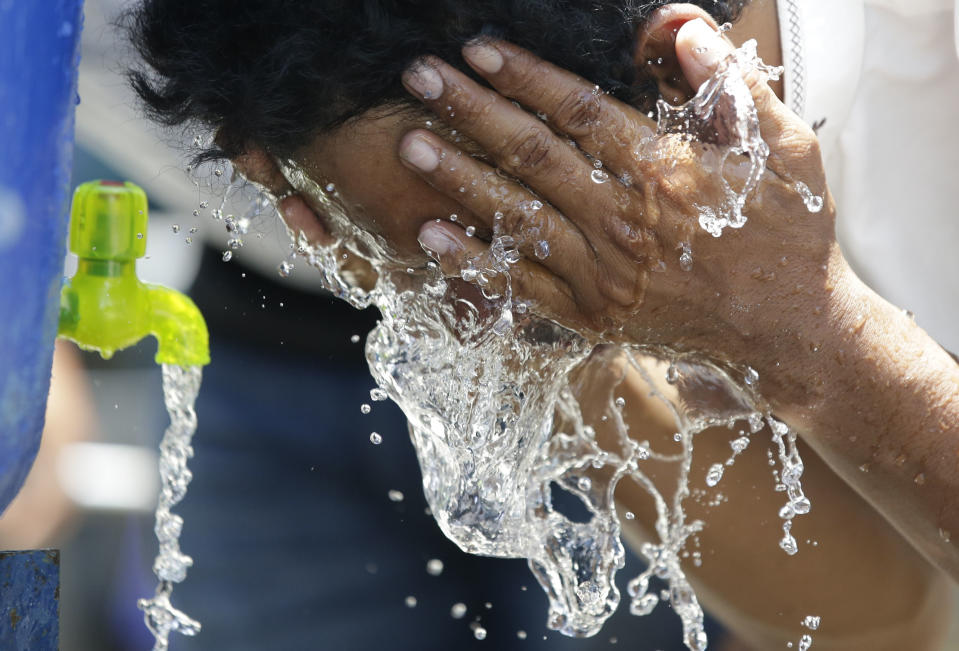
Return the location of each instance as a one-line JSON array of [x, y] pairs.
[[655, 56]]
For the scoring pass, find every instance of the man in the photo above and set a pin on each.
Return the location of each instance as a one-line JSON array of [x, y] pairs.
[[341, 123]]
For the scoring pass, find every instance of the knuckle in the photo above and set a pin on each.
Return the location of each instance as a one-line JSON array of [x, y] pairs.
[[579, 111], [525, 219], [465, 106], [529, 149]]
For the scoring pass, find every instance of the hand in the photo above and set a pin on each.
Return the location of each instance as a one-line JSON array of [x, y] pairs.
[[613, 271]]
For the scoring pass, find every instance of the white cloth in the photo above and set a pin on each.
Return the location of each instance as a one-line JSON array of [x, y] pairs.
[[884, 74]]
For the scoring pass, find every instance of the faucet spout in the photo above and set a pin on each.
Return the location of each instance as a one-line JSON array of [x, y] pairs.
[[104, 306], [176, 322]]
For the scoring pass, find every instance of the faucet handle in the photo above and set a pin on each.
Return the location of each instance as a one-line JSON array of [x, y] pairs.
[[108, 221]]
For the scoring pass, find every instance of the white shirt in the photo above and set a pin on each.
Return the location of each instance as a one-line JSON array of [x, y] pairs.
[[884, 74]]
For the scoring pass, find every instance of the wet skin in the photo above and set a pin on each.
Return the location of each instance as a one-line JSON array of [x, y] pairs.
[[779, 289]]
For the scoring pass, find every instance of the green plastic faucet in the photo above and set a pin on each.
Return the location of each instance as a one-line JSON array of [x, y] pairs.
[[104, 306]]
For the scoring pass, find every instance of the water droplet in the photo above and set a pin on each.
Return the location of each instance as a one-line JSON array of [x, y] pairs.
[[686, 257], [176, 228], [365, 408], [584, 484], [453, 217], [396, 496], [139, 236], [479, 633], [629, 515], [644, 605], [434, 567], [620, 402], [188, 241], [813, 202], [375, 438], [920, 479], [672, 374], [811, 622], [410, 601], [805, 642], [599, 176], [330, 188], [204, 204], [378, 395], [470, 231], [714, 474], [739, 445], [541, 249], [354, 339], [598, 164], [285, 268], [218, 172], [752, 376], [196, 213], [458, 610], [227, 256], [788, 544], [521, 634]]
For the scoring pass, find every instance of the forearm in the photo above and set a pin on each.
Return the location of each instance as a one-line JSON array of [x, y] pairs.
[[870, 588], [878, 399]]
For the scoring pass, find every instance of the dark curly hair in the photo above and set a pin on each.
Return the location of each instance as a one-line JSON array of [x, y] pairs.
[[275, 73]]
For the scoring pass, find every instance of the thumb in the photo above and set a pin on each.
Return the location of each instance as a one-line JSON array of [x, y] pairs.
[[701, 49]]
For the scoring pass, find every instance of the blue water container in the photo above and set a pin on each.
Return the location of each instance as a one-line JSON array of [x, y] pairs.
[[39, 53]]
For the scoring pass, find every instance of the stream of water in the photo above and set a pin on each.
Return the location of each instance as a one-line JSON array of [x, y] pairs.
[[180, 388]]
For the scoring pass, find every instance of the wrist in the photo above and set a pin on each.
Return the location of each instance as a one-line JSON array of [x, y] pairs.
[[809, 336]]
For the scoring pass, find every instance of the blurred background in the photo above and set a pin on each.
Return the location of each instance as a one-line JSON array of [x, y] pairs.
[[93, 487]]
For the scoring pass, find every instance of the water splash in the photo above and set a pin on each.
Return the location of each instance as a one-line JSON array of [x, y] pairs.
[[723, 113], [180, 388], [489, 392]]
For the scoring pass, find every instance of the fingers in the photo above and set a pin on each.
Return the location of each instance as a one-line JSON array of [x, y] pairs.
[[520, 144], [541, 233], [468, 258], [602, 126], [300, 218], [258, 167]]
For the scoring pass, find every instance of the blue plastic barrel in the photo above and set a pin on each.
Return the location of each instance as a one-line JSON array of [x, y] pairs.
[[39, 53]]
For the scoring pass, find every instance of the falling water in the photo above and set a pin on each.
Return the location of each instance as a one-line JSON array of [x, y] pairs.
[[488, 391], [180, 388]]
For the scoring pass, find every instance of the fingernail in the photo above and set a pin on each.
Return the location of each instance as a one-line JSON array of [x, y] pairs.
[[484, 57], [435, 240], [425, 80], [420, 154], [707, 46]]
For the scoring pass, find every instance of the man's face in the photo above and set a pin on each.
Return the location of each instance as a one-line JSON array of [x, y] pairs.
[[378, 193]]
